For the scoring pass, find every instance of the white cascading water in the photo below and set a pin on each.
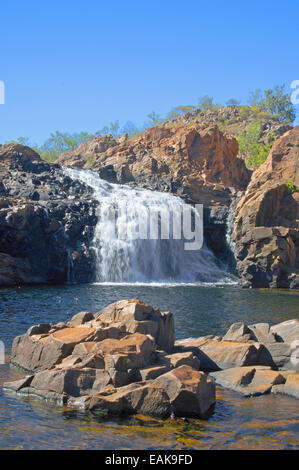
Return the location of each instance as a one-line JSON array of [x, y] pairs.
[[143, 260], [230, 229]]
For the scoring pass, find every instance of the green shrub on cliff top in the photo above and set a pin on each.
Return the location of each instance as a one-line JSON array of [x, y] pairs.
[[272, 103], [251, 147], [291, 188], [60, 142], [275, 102]]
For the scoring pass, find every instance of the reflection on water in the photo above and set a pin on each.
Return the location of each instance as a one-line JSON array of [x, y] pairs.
[[268, 422]]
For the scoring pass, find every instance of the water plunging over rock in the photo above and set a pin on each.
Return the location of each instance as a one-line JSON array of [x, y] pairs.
[[143, 260]]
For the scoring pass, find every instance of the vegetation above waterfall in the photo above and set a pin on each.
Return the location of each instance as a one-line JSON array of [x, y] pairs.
[[256, 125]]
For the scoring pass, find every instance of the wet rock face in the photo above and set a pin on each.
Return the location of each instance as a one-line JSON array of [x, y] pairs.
[[266, 230], [46, 221]]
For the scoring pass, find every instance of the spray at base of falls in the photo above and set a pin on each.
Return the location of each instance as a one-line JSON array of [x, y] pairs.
[[143, 260]]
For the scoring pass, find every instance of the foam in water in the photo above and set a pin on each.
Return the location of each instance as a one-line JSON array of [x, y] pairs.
[[143, 260]]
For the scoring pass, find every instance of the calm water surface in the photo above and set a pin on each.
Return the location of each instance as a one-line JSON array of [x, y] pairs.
[[268, 422]]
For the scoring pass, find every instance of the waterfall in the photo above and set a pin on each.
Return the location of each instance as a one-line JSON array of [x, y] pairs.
[[70, 267], [143, 260], [230, 229]]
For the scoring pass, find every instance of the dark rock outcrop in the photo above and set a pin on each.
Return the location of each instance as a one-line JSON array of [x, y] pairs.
[[46, 221], [266, 230]]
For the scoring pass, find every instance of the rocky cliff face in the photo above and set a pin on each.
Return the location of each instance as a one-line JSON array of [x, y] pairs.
[[84, 155], [199, 165], [266, 228], [45, 229]]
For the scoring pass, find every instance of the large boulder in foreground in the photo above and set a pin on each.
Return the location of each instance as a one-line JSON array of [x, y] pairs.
[[198, 163], [191, 393], [112, 361], [266, 229], [144, 398], [181, 392]]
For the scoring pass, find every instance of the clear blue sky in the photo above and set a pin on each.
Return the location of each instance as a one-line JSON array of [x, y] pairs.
[[77, 65]]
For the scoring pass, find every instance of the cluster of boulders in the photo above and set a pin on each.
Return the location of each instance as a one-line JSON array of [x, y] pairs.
[[124, 360], [252, 360], [47, 221], [119, 360]]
